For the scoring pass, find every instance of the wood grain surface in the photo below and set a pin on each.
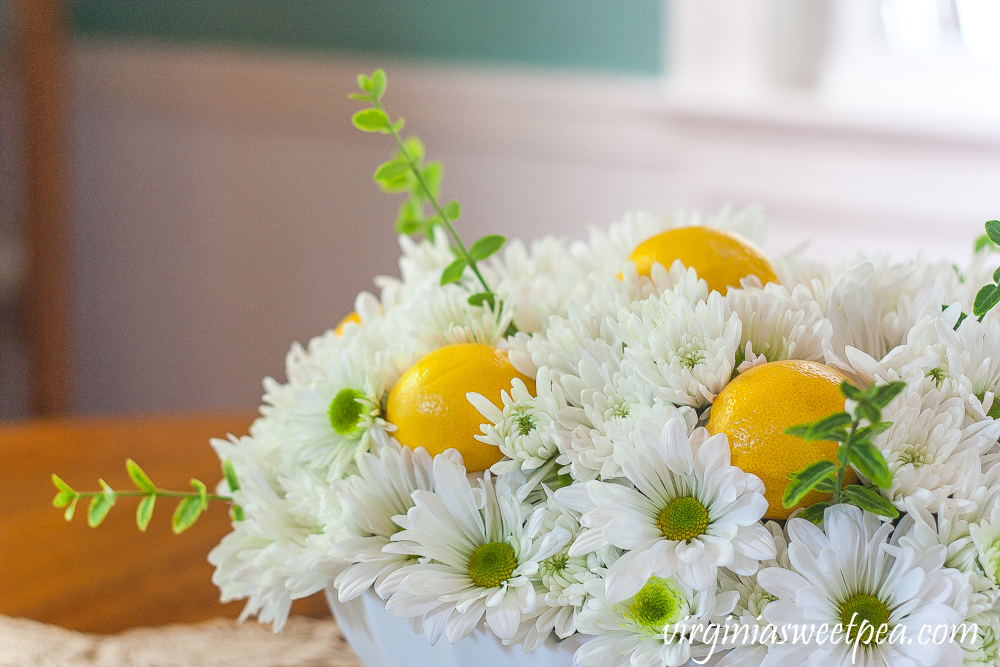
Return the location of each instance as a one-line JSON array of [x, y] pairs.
[[112, 577]]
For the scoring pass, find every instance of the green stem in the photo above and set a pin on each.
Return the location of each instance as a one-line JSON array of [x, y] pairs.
[[415, 168], [159, 493], [843, 464]]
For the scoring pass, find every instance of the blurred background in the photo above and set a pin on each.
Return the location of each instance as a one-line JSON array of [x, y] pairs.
[[182, 194]]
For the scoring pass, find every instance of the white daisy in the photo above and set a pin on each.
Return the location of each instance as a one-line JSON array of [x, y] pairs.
[[443, 316], [526, 430], [690, 512], [848, 573], [380, 490], [665, 622], [476, 552], [336, 413]]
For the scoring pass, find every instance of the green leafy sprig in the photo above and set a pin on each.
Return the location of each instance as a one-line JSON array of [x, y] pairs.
[[989, 295], [406, 172], [190, 507], [854, 430]]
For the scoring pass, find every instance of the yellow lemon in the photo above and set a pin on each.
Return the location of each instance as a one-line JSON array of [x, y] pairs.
[[755, 409], [721, 258], [429, 408], [351, 317]]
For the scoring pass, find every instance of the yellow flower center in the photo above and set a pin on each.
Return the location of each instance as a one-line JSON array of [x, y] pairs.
[[683, 519], [492, 564], [860, 608]]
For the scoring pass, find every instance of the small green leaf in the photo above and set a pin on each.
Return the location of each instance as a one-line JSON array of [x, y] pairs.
[[868, 460], [814, 513], [186, 513], [882, 394], [378, 83], [486, 246], [869, 500], [865, 434], [480, 298], [392, 169], [415, 148], [365, 97], [71, 509], [986, 298], [868, 411], [830, 427], [453, 272], [996, 275], [397, 127], [202, 492], [827, 485], [802, 482], [364, 82], [371, 120], [139, 477], [236, 512], [993, 231], [432, 174], [983, 242], [61, 485], [848, 390], [144, 512], [62, 499], [230, 474], [99, 505], [452, 210], [961, 318]]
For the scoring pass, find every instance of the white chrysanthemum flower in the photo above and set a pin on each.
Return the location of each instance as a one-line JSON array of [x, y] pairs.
[[526, 430], [443, 316], [690, 512], [778, 324], [664, 623], [685, 351], [477, 551], [975, 497], [560, 582], [539, 282], [747, 636], [874, 303], [847, 573], [277, 553], [928, 451], [986, 537], [380, 490], [336, 414], [612, 399]]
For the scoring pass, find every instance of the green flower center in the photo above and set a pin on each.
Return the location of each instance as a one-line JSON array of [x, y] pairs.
[[863, 607], [525, 423], [937, 374], [492, 564], [659, 603], [683, 519], [345, 411], [555, 564]]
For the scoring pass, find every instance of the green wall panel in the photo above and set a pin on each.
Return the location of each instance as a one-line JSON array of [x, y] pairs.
[[612, 35]]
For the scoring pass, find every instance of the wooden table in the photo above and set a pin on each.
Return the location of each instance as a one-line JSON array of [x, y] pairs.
[[113, 577]]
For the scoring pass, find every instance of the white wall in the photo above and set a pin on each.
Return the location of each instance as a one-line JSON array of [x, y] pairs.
[[224, 205]]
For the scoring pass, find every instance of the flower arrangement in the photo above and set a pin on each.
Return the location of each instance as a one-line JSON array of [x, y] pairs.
[[658, 440]]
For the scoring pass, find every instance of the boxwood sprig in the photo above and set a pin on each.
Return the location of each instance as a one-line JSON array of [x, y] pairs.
[[854, 429], [190, 507], [407, 173]]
